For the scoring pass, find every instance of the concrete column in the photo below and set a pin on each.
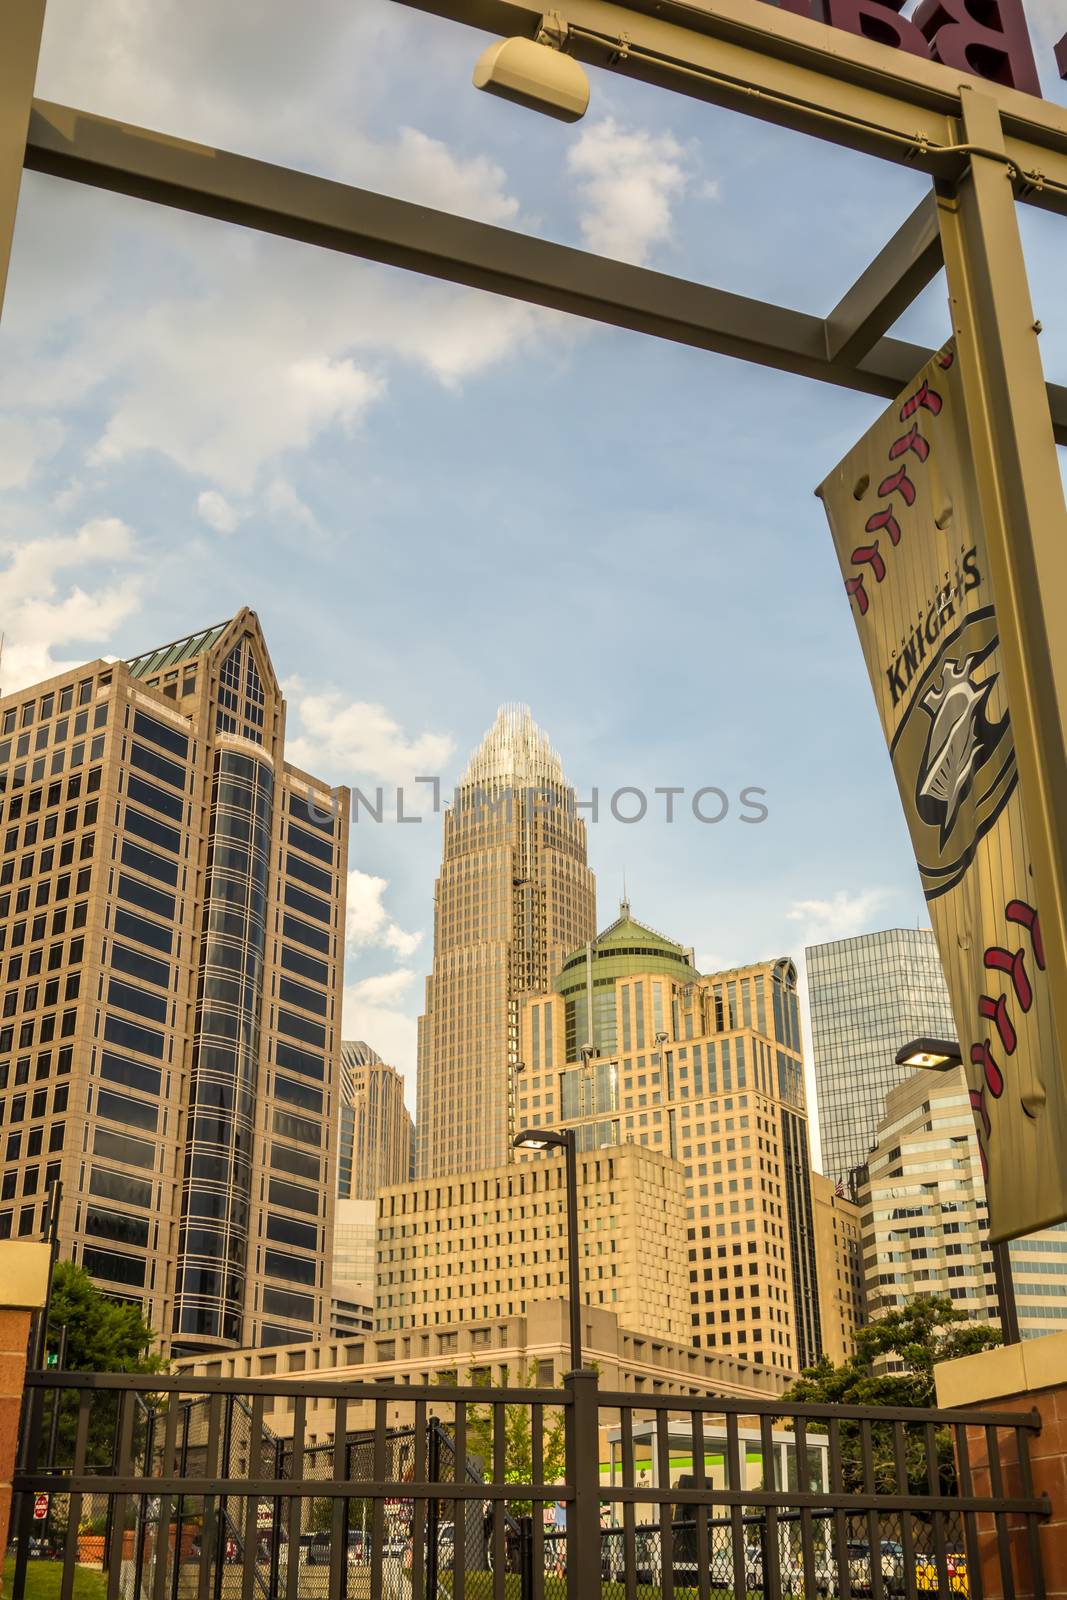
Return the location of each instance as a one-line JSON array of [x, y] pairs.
[[24, 1269], [1019, 1377]]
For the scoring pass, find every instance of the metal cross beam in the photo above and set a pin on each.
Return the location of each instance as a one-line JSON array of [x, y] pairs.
[[912, 259], [296, 205]]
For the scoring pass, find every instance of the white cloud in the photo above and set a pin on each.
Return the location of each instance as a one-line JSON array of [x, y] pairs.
[[24, 444], [839, 918], [214, 509], [208, 389], [708, 962], [627, 179], [357, 741], [283, 502], [372, 1010], [42, 613], [366, 920], [229, 349]]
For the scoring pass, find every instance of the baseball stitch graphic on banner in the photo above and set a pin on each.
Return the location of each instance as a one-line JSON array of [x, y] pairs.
[[903, 510]]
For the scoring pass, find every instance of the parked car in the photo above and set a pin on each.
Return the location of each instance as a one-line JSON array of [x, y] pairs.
[[860, 1573]]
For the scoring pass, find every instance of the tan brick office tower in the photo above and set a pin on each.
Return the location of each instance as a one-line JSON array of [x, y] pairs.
[[171, 931]]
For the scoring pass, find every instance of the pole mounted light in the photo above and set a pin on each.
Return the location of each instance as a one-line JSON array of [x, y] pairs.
[[936, 1055], [940, 1055], [563, 1139], [536, 73]]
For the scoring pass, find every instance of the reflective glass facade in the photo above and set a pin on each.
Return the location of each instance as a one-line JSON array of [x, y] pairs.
[[217, 1181], [868, 996]]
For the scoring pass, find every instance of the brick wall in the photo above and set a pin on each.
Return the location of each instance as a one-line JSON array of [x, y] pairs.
[[1048, 1465], [1026, 1377], [14, 1339]]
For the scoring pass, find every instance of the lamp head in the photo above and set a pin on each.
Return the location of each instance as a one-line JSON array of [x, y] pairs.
[[936, 1055], [534, 75], [538, 1139]]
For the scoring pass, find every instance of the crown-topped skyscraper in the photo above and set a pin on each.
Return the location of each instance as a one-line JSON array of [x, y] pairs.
[[513, 899]]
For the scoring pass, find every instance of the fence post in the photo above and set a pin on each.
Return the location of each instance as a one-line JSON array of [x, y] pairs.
[[526, 1588], [433, 1513], [583, 1474]]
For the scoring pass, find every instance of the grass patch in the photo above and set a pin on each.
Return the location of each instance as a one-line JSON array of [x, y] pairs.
[[43, 1580]]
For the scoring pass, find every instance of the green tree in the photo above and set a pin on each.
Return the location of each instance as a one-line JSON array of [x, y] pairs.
[[103, 1335], [518, 1441], [927, 1330]]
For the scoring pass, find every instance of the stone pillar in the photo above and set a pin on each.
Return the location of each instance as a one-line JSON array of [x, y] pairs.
[[24, 1270], [1019, 1377]]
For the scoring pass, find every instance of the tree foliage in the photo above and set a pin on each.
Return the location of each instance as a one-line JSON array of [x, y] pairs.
[[518, 1442], [103, 1335], [919, 1335]]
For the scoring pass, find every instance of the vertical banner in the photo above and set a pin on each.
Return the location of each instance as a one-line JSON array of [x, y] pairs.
[[903, 509]]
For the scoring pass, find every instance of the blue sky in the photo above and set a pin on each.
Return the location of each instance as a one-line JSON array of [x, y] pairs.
[[437, 500]]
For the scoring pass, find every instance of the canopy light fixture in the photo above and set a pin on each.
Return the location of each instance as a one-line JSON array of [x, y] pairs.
[[535, 73]]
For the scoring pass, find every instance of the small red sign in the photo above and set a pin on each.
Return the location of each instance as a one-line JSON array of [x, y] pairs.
[[40, 1507]]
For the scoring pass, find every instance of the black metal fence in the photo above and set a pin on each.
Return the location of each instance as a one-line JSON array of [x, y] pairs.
[[174, 1488]]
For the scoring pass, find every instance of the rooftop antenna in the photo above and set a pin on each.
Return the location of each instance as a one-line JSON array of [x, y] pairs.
[[624, 903]]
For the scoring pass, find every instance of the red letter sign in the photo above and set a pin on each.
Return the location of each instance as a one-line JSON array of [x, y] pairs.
[[997, 48]]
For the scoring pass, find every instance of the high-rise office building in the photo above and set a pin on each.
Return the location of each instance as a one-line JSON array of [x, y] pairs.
[[868, 996], [171, 930], [925, 1219], [463, 1249], [634, 1046], [376, 1148], [839, 1254], [377, 1137], [514, 897], [352, 1300]]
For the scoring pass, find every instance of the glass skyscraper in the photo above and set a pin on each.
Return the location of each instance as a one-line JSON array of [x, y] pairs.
[[868, 996]]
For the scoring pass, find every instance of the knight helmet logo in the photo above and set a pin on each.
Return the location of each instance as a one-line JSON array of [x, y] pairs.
[[961, 739], [953, 752]]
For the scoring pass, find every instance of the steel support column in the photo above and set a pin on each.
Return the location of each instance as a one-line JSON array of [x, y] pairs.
[[1021, 496], [20, 42]]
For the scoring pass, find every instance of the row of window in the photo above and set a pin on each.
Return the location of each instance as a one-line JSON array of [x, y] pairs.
[[38, 800], [32, 710], [35, 772]]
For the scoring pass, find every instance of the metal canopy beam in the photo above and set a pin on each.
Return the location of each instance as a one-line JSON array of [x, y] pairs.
[[912, 259], [760, 59], [18, 68], [296, 205]]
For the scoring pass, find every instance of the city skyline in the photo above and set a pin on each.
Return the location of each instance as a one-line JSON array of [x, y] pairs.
[[662, 535]]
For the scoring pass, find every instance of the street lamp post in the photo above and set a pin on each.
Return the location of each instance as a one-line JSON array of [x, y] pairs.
[[939, 1055], [563, 1139]]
